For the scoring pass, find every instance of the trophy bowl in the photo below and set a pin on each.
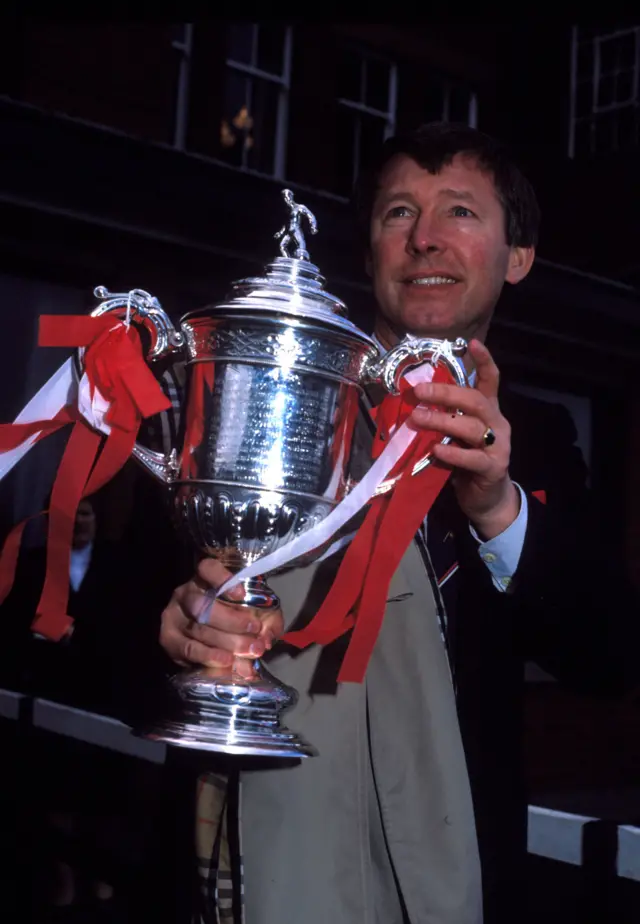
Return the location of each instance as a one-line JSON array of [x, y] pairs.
[[274, 378]]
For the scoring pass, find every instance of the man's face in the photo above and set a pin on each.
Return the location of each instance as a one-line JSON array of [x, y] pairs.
[[439, 255], [84, 529]]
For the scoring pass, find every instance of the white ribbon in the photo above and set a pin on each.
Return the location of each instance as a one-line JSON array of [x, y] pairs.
[[55, 394], [60, 390], [93, 407], [347, 508]]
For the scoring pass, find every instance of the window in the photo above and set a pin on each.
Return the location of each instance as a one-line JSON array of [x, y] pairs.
[[253, 131], [604, 104], [459, 105], [367, 91], [450, 102]]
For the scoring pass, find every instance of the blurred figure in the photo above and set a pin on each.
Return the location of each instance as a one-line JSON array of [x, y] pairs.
[[85, 818], [61, 810], [32, 664], [85, 527]]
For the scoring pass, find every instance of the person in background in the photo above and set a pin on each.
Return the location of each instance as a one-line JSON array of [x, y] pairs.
[[123, 564]]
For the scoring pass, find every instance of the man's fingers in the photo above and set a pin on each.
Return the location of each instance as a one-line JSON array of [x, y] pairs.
[[487, 373], [461, 427], [272, 626], [469, 460], [439, 396], [210, 573], [207, 610], [238, 620], [199, 629], [195, 652], [469, 400], [181, 647], [246, 646]]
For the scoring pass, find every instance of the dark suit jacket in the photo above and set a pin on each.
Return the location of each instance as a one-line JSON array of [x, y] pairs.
[[569, 608]]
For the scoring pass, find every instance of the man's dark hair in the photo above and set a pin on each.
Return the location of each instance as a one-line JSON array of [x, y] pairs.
[[434, 146]]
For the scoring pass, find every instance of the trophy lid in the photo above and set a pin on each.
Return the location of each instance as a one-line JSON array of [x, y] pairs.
[[291, 284]]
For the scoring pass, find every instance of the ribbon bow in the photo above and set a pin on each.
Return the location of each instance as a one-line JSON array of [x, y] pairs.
[[117, 390]]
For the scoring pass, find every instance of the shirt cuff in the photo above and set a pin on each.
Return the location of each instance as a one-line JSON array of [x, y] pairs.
[[502, 553]]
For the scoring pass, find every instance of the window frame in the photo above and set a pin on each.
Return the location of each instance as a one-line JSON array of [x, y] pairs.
[[388, 116], [596, 108], [283, 80]]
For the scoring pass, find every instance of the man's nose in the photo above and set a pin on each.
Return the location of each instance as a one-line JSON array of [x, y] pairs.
[[424, 237]]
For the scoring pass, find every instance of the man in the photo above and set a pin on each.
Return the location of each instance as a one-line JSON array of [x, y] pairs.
[[449, 219]]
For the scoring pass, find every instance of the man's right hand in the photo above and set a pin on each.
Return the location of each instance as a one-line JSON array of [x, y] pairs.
[[228, 632]]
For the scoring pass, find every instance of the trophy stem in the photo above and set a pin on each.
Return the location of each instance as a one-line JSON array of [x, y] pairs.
[[257, 594], [233, 710]]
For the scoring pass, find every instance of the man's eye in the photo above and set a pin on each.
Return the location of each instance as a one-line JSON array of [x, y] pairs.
[[461, 211], [399, 211]]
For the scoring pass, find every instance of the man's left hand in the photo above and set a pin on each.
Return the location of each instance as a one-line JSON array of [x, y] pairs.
[[480, 479]]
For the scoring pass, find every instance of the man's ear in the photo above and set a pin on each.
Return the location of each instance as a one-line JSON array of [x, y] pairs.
[[520, 262]]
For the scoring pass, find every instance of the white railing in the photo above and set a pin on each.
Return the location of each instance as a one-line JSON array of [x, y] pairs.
[[552, 834]]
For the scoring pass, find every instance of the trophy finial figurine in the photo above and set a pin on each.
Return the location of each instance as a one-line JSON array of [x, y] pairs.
[[291, 233]]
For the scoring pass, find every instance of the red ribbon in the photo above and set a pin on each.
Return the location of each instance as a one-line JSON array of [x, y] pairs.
[[357, 598], [201, 381], [345, 418], [115, 365]]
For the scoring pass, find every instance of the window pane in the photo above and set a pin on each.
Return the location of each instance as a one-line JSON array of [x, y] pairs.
[[606, 90], [627, 50], [585, 61], [237, 119], [260, 145], [377, 75], [584, 99], [240, 44], [271, 48], [359, 138], [628, 128], [371, 138], [344, 150], [607, 56], [605, 133], [624, 87], [248, 131], [350, 76]]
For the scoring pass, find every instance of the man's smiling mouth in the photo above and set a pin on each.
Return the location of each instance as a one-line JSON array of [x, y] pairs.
[[431, 280]]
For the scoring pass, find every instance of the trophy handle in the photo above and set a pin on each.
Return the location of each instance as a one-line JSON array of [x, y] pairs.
[[413, 351], [164, 468], [143, 309], [409, 353]]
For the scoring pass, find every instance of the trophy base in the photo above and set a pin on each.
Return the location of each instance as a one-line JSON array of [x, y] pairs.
[[236, 714], [205, 737]]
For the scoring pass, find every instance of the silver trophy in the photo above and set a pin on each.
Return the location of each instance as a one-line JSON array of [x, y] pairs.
[[264, 454]]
